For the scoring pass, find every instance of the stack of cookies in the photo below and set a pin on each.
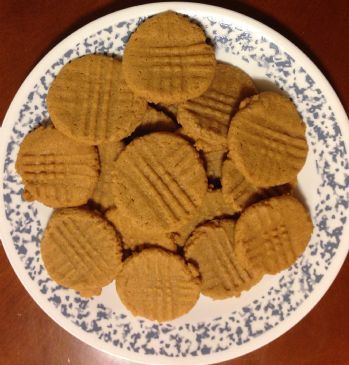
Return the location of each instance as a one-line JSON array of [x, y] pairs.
[[170, 172]]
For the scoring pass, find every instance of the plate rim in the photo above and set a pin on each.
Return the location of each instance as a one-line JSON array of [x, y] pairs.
[[146, 10]]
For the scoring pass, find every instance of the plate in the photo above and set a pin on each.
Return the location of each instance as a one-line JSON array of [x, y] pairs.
[[214, 330]]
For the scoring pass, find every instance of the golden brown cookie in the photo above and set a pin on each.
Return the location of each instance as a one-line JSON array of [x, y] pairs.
[[159, 181], [90, 102], [133, 235], [213, 206], [108, 153], [167, 59], [267, 140], [206, 119], [155, 121], [81, 250], [56, 170], [211, 248], [271, 234], [239, 193], [157, 285]]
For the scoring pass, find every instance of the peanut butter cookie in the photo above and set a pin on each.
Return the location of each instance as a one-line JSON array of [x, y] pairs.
[[157, 285], [211, 248], [90, 102], [56, 170], [271, 234], [159, 181], [267, 140], [81, 250], [167, 59], [206, 119]]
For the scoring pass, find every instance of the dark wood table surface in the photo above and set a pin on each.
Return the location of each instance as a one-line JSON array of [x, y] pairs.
[[28, 29]]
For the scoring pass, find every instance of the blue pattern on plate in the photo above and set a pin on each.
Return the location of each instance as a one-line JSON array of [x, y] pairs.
[[279, 301]]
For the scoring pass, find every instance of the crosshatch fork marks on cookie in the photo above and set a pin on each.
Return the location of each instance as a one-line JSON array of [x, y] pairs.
[[172, 180]]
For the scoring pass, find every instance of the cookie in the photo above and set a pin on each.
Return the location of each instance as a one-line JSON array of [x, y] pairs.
[[56, 170], [213, 206], [133, 235], [155, 121], [159, 181], [90, 102], [81, 250], [167, 59], [206, 119], [271, 234], [157, 285], [267, 140], [211, 247], [102, 195], [239, 193]]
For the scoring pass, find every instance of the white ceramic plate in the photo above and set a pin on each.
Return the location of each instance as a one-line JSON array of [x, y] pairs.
[[214, 330]]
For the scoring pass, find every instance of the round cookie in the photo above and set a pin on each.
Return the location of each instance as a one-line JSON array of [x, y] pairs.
[[90, 102], [81, 250], [167, 59], [267, 140], [157, 285], [159, 181], [239, 193], [56, 170], [133, 235], [102, 194], [206, 119], [211, 248], [271, 234]]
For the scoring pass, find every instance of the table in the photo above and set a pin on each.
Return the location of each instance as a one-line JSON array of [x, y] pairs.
[[28, 29]]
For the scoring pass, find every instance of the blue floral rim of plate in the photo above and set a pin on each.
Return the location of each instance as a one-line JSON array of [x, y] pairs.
[[281, 300]]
